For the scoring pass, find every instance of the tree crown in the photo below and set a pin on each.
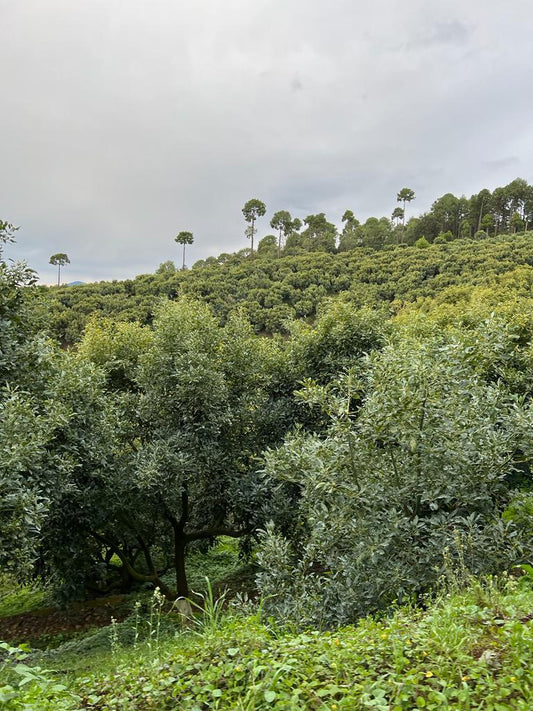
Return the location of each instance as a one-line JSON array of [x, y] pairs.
[[59, 259]]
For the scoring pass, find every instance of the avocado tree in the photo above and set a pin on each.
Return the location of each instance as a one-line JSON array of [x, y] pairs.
[[409, 481], [28, 416], [59, 260], [184, 238], [187, 418]]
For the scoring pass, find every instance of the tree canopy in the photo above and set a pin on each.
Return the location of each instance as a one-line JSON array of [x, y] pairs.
[[59, 260]]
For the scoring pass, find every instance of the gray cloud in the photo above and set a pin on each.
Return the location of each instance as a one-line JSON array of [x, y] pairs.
[[450, 32], [124, 123]]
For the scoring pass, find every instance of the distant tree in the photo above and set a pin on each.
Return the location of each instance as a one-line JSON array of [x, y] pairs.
[[184, 238], [449, 212], [405, 195], [252, 210], [516, 222], [487, 222], [398, 214], [348, 239], [166, 268], [283, 222], [320, 235], [466, 229], [374, 233], [350, 221], [59, 260], [268, 247], [502, 204], [479, 206], [519, 193], [295, 244]]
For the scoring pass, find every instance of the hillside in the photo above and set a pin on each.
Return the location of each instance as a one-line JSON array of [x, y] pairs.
[[362, 484], [271, 290]]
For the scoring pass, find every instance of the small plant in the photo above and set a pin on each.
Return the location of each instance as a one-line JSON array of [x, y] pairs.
[[113, 637], [525, 573], [243, 604], [137, 612], [30, 688], [154, 621], [211, 610]]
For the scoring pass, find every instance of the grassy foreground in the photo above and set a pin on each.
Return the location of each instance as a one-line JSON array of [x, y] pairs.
[[471, 649]]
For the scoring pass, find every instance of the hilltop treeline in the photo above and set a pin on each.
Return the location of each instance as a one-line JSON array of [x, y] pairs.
[[272, 290], [507, 209], [380, 261]]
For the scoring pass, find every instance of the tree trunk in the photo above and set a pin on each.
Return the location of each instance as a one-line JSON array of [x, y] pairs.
[[182, 587], [182, 603], [480, 215]]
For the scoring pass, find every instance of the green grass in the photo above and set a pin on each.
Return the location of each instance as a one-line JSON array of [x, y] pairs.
[[16, 599], [221, 565], [468, 650]]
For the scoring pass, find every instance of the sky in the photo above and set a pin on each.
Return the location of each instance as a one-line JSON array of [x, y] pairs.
[[123, 122]]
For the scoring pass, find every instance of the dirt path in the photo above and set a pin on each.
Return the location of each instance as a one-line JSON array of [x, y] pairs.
[[49, 622]]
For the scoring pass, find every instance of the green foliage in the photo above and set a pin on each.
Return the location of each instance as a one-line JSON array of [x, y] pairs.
[[283, 222], [28, 687], [272, 290], [418, 459], [169, 447], [340, 335], [116, 348], [184, 238], [319, 234], [16, 599], [29, 418], [374, 233], [405, 195], [406, 457], [465, 650], [59, 259]]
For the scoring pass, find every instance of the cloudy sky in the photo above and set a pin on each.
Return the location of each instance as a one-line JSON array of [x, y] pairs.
[[123, 122]]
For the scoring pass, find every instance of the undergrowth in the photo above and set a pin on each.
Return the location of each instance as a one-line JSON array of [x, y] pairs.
[[470, 649]]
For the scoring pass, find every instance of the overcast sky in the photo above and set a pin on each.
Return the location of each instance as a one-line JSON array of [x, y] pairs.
[[123, 122]]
